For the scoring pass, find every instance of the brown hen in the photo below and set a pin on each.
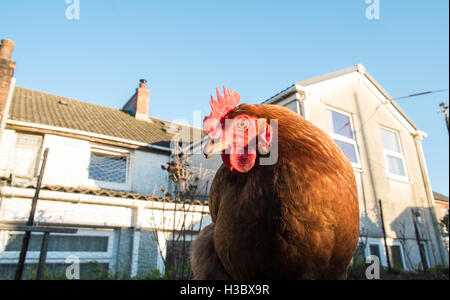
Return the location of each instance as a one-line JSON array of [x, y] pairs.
[[295, 219]]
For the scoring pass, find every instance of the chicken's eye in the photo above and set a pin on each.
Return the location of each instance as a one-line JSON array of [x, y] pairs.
[[242, 124]]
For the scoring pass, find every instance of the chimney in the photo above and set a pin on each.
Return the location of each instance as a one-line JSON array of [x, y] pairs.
[[137, 106], [7, 67]]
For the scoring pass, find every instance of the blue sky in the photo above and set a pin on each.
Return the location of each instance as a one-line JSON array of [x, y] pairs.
[[187, 48]]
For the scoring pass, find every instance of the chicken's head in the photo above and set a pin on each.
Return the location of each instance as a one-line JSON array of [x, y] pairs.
[[238, 137]]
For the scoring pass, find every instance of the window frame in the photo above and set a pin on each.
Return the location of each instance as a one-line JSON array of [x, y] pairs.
[[59, 257], [380, 243], [382, 247], [370, 244], [100, 149], [34, 171], [341, 138], [395, 243], [297, 106], [399, 155]]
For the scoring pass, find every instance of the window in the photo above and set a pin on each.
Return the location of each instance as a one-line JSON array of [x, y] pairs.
[[93, 248], [60, 243], [375, 247], [341, 131], [25, 155], [374, 250], [393, 154], [395, 257], [109, 166], [293, 106]]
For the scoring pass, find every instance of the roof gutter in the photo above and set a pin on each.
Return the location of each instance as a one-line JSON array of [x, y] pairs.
[[282, 95], [89, 134]]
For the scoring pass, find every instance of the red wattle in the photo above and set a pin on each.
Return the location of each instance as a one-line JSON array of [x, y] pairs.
[[242, 162]]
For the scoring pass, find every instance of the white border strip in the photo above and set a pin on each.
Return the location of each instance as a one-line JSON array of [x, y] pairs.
[[85, 133]]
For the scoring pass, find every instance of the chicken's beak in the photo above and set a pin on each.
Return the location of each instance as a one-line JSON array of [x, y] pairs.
[[212, 148]]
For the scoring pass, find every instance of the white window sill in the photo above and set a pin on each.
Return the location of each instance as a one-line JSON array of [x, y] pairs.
[[399, 179]]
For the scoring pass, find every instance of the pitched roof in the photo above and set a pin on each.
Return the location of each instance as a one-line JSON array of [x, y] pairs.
[[45, 109], [440, 197], [358, 68]]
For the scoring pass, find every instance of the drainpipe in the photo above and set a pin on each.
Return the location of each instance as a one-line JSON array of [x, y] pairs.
[[135, 242], [430, 199], [135, 251]]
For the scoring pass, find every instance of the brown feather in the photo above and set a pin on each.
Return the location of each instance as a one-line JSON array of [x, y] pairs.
[[204, 261], [297, 219]]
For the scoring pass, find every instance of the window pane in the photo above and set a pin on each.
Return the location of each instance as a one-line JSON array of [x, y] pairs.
[[341, 124], [292, 106], [349, 150], [395, 165], [395, 255], [33, 141], [24, 161], [375, 250], [74, 243], [108, 168], [25, 155], [390, 141]]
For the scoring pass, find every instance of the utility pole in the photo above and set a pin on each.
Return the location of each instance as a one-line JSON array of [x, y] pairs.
[[444, 110]]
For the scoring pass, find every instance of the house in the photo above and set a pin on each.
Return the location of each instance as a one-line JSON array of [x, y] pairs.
[[441, 202], [102, 176], [384, 147]]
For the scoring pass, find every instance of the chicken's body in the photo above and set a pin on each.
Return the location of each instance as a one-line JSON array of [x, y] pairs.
[[295, 219]]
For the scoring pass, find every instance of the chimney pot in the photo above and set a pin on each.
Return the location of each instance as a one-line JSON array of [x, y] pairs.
[[143, 83], [6, 49]]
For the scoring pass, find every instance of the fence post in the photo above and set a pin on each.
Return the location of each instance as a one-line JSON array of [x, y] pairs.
[[26, 237], [43, 255]]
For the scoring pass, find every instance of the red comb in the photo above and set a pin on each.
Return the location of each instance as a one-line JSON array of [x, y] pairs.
[[224, 105]]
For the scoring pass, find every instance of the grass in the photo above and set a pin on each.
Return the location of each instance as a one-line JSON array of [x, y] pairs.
[[357, 271], [95, 271]]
